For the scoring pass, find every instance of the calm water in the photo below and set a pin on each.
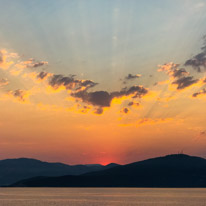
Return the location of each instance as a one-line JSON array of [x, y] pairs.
[[101, 197]]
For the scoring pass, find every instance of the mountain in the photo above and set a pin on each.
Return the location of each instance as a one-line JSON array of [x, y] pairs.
[[13, 170], [176, 170]]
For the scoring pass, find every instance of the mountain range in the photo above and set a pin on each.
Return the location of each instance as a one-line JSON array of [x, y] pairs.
[[13, 170], [178, 170]]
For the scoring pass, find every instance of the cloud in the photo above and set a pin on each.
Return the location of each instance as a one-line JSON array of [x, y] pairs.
[[43, 75], [19, 95], [98, 98], [85, 109], [135, 91], [125, 110], [99, 110], [148, 121], [78, 89], [3, 82], [130, 76], [184, 82], [31, 63], [38, 76], [179, 72], [70, 83], [38, 64], [202, 92], [198, 62], [104, 98], [179, 77], [15, 65], [172, 70], [134, 104], [168, 67]]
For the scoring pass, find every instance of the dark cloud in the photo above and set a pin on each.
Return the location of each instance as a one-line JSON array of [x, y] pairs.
[[198, 62], [136, 91], [99, 110], [38, 64], [58, 80], [133, 104], [125, 110], [70, 83], [42, 75], [104, 98], [130, 103], [199, 93], [184, 82], [85, 109], [31, 63], [179, 72], [98, 98], [131, 76]]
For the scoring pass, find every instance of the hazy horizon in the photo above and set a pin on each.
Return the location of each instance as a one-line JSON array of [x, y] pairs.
[[98, 163]]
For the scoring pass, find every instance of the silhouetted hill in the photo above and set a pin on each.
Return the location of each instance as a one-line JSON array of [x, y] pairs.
[[13, 170], [177, 170]]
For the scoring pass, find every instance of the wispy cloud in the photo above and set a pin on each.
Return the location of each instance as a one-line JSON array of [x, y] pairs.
[[148, 121], [31, 63], [19, 95], [200, 93], [131, 76], [3, 82]]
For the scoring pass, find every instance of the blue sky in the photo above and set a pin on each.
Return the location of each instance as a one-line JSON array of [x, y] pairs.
[[103, 38]]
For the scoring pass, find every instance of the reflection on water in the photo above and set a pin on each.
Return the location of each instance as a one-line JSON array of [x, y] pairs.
[[101, 197]]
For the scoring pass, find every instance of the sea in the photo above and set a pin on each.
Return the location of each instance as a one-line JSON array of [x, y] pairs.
[[102, 197]]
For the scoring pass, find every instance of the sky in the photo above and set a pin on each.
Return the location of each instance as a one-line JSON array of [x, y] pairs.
[[100, 81]]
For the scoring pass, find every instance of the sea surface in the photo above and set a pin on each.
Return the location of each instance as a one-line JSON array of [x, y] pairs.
[[101, 197]]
